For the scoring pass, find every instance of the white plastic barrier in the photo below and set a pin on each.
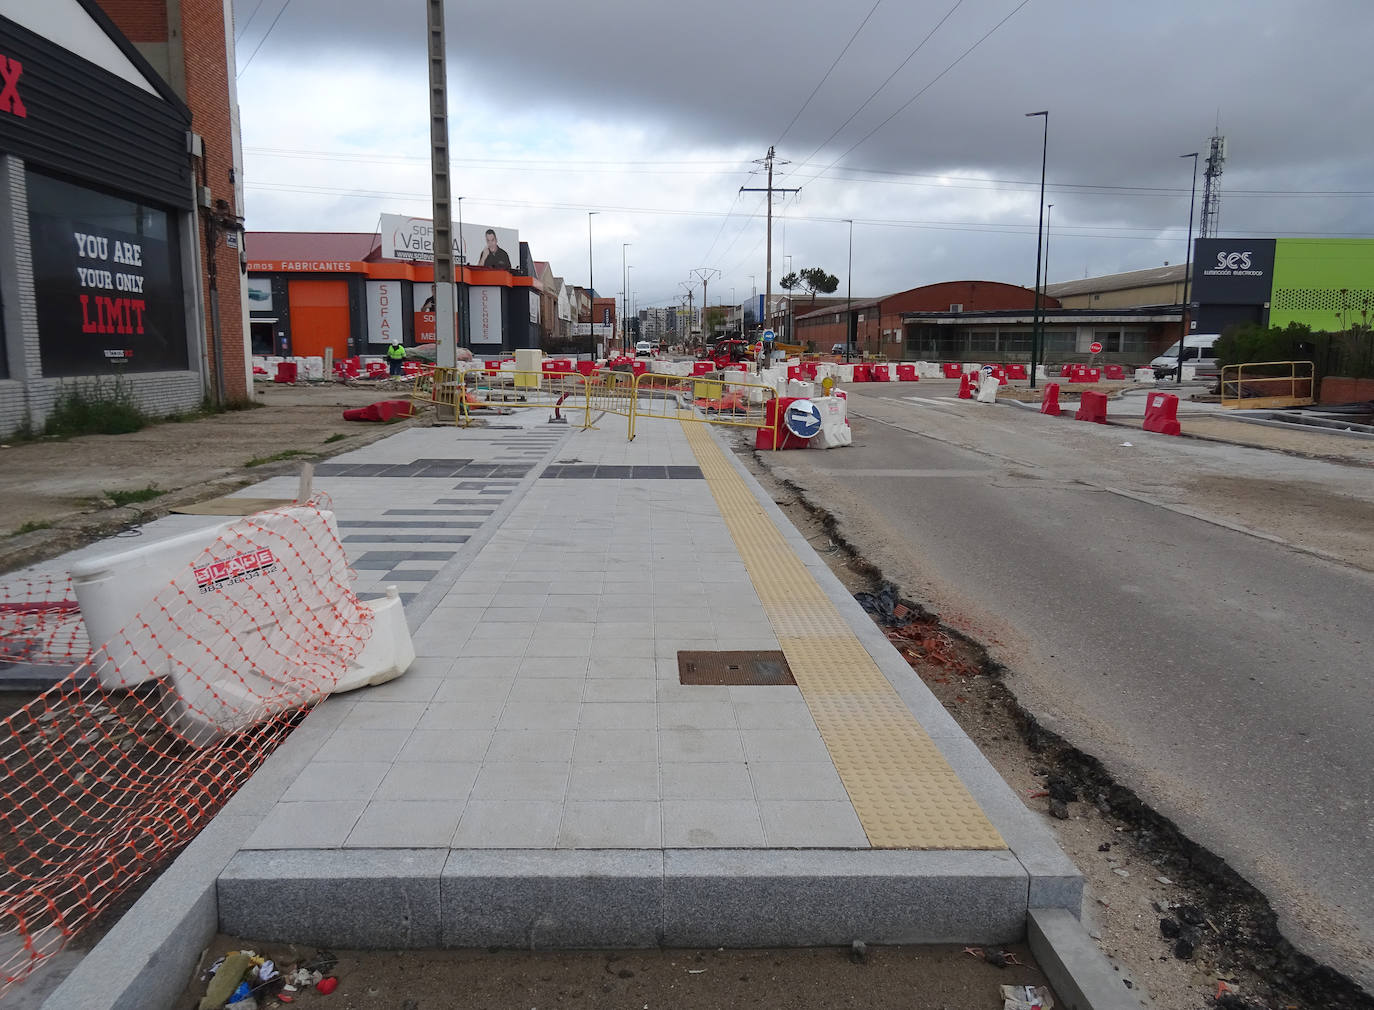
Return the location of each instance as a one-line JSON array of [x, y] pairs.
[[1145, 375], [972, 368], [844, 373], [224, 613], [835, 430], [987, 389], [1189, 373], [800, 387]]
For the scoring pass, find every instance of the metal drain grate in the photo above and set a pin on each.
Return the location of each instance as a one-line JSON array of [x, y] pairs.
[[754, 668]]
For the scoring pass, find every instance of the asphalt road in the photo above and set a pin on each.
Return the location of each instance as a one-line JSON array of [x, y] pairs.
[[1224, 677]]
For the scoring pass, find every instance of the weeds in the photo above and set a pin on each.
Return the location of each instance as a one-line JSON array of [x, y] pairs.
[[122, 498], [336, 437], [276, 457], [96, 407], [32, 526]]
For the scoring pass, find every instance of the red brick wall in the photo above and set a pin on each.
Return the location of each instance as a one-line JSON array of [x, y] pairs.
[[207, 95], [974, 296], [140, 20], [1338, 389]]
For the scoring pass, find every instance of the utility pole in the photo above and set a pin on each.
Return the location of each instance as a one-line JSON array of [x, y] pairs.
[[688, 285], [704, 274], [591, 291], [447, 351], [624, 298], [768, 161]]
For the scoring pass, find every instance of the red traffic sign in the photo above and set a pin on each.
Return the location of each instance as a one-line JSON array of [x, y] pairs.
[[1095, 347]]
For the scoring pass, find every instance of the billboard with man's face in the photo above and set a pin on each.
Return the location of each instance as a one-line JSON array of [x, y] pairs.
[[479, 245]]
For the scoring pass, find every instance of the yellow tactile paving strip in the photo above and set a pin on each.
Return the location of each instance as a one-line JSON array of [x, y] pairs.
[[905, 794]]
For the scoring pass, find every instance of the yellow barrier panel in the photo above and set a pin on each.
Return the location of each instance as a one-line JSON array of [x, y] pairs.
[[467, 392], [1261, 385], [609, 392], [729, 398]]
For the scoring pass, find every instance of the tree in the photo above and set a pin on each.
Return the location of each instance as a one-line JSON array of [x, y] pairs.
[[715, 316], [817, 281]]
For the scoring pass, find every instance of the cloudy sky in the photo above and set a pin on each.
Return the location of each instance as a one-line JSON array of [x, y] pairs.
[[652, 114]]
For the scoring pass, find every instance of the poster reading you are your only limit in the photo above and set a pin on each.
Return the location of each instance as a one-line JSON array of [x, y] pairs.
[[105, 279]]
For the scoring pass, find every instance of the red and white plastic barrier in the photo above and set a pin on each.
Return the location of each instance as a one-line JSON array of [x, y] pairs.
[[1161, 414]]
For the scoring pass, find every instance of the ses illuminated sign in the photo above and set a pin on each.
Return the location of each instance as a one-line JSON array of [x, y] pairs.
[[1233, 271]]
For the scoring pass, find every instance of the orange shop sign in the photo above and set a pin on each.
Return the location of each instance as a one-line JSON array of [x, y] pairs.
[[306, 266]]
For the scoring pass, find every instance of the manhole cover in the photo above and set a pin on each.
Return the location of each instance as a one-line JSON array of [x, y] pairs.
[[757, 668]]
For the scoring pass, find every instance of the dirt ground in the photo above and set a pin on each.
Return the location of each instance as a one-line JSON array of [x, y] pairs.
[[1137, 872], [900, 978], [65, 484]]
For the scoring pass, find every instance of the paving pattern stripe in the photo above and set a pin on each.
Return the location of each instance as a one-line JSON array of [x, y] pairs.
[[904, 792]]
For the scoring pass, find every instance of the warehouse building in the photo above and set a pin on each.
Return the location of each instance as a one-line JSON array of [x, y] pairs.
[[108, 205]]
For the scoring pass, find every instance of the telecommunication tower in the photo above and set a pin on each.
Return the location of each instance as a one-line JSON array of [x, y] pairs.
[[1211, 190]]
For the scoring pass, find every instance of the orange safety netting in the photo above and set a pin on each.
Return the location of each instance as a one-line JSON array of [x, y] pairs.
[[107, 774], [40, 622]]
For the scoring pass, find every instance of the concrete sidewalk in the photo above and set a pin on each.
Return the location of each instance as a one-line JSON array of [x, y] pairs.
[[541, 777]]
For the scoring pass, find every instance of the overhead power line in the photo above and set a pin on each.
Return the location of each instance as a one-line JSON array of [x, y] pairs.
[[264, 38], [907, 104], [886, 81], [830, 71], [899, 178], [238, 37], [1007, 228]]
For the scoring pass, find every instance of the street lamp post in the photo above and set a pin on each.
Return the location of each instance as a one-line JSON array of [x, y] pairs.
[[1039, 238], [734, 306], [461, 277], [849, 299], [624, 303], [1187, 269], [591, 291]]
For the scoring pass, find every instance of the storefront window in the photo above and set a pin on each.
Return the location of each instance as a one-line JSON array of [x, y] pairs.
[[107, 277]]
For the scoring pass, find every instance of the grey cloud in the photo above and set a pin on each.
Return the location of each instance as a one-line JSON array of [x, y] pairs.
[[1130, 86]]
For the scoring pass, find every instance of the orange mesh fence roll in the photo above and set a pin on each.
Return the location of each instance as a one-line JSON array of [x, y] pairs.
[[107, 774], [40, 622]]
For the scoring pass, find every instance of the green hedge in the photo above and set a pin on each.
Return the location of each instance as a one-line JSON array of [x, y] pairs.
[[1349, 353]]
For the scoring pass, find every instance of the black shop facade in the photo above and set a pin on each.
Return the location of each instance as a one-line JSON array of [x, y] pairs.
[[98, 274]]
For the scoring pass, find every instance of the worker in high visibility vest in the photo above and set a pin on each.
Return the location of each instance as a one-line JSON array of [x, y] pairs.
[[395, 356]]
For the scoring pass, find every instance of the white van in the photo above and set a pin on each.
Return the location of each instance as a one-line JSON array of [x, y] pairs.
[[1197, 352]]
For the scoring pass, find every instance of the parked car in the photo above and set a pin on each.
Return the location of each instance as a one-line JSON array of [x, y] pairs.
[[837, 349], [1197, 352]]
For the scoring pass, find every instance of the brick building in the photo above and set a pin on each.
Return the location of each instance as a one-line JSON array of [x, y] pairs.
[[99, 230], [878, 324], [190, 43]]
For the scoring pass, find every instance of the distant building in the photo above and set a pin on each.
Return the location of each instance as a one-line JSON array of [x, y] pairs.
[[1156, 286], [986, 321]]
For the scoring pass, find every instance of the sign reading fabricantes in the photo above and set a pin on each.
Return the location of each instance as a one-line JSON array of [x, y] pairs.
[[1233, 271], [306, 266], [106, 295]]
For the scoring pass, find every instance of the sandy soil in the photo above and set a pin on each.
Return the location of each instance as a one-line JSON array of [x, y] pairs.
[[66, 484], [901, 978]]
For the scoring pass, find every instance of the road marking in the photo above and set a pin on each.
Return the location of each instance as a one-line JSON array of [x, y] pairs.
[[903, 790]]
